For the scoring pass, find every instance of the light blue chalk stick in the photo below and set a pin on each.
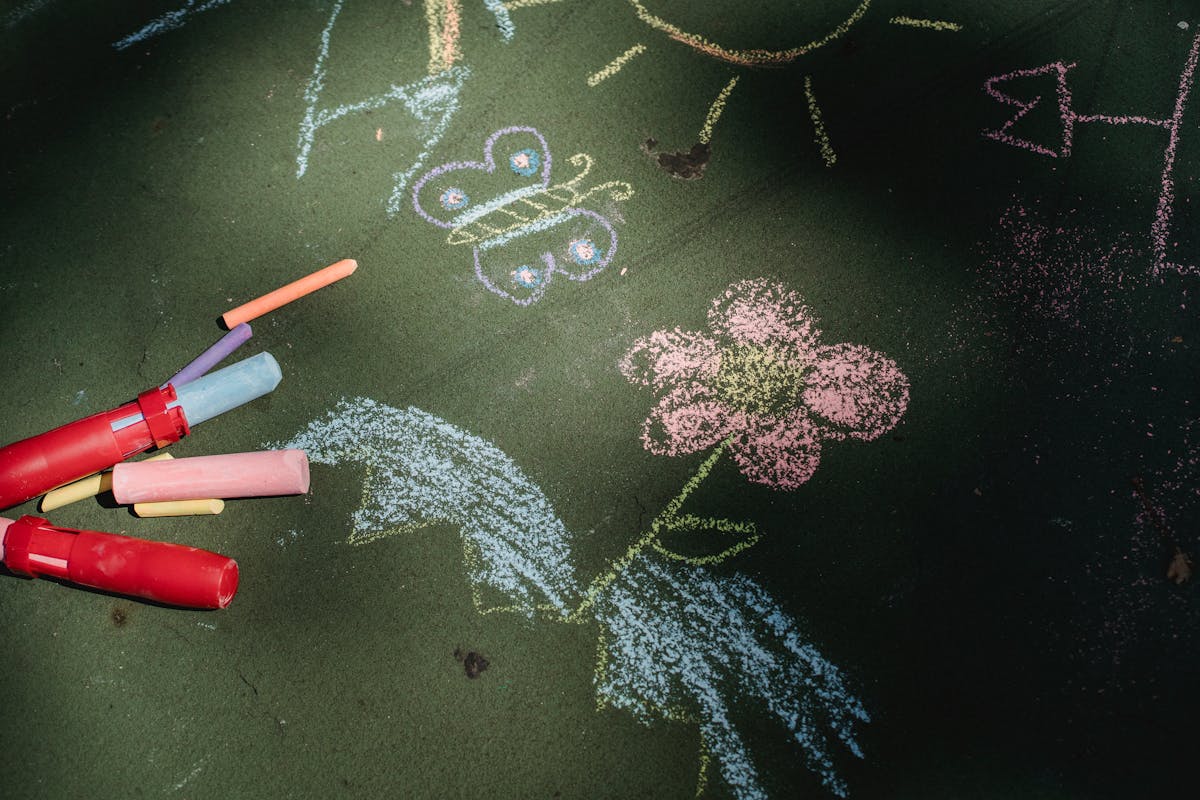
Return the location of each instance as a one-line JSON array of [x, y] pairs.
[[228, 388], [221, 391]]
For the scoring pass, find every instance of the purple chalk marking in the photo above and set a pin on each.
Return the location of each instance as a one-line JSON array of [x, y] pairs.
[[213, 355], [488, 166], [553, 264], [1068, 116], [1160, 230], [1064, 107]]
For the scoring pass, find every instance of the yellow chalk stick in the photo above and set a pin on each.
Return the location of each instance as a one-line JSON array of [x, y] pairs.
[[286, 294], [179, 508], [79, 490], [84, 488]]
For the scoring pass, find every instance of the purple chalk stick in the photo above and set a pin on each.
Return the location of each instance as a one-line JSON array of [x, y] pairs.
[[213, 355]]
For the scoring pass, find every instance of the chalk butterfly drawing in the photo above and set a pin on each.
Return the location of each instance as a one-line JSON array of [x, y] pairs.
[[676, 641], [522, 230]]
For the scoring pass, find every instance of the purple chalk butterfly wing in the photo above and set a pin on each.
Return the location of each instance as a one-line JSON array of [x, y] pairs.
[[574, 244], [468, 196]]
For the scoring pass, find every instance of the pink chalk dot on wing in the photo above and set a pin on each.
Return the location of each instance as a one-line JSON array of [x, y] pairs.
[[524, 162], [453, 199], [528, 277], [584, 251]]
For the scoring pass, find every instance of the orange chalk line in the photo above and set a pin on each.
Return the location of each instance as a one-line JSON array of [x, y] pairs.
[[615, 65], [286, 294], [443, 18], [819, 134], [714, 111], [747, 58], [928, 24]]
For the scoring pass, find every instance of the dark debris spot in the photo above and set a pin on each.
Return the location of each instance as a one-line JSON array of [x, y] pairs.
[[688, 165], [118, 616], [473, 662]]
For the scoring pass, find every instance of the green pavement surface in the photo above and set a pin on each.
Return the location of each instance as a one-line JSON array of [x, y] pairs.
[[537, 563]]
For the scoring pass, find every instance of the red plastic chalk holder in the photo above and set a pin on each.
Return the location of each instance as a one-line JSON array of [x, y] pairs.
[[161, 571], [40, 463]]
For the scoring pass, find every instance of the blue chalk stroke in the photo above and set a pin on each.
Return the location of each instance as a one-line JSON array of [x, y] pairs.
[[432, 100], [681, 643], [167, 22], [421, 469], [24, 11], [676, 642], [503, 18]]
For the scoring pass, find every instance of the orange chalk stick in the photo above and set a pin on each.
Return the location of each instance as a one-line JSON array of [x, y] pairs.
[[286, 294]]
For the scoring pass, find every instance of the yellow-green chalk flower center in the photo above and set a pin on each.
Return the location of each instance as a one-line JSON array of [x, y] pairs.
[[758, 380]]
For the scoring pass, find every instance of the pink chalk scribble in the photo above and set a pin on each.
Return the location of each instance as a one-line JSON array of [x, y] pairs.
[[760, 378], [1176, 487], [1160, 229], [1053, 290], [1053, 268]]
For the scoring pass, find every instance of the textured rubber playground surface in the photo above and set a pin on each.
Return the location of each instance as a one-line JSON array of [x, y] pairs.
[[794, 401]]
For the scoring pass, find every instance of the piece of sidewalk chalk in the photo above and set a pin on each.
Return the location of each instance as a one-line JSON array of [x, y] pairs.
[[286, 294], [221, 391], [179, 508], [259, 474], [84, 488], [214, 355]]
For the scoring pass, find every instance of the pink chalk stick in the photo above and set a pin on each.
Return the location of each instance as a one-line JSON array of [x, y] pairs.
[[260, 474]]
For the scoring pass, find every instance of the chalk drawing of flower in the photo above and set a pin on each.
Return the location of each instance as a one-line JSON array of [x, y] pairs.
[[761, 379]]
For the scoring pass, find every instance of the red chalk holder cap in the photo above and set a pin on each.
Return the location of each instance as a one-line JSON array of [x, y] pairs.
[[160, 571], [167, 425]]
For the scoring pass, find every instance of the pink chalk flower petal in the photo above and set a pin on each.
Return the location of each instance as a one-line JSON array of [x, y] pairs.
[[762, 313], [670, 358], [862, 393], [687, 420], [782, 453]]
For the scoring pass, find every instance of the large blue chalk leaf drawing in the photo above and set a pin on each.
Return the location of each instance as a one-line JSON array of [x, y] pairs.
[[421, 469], [684, 644], [677, 642]]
